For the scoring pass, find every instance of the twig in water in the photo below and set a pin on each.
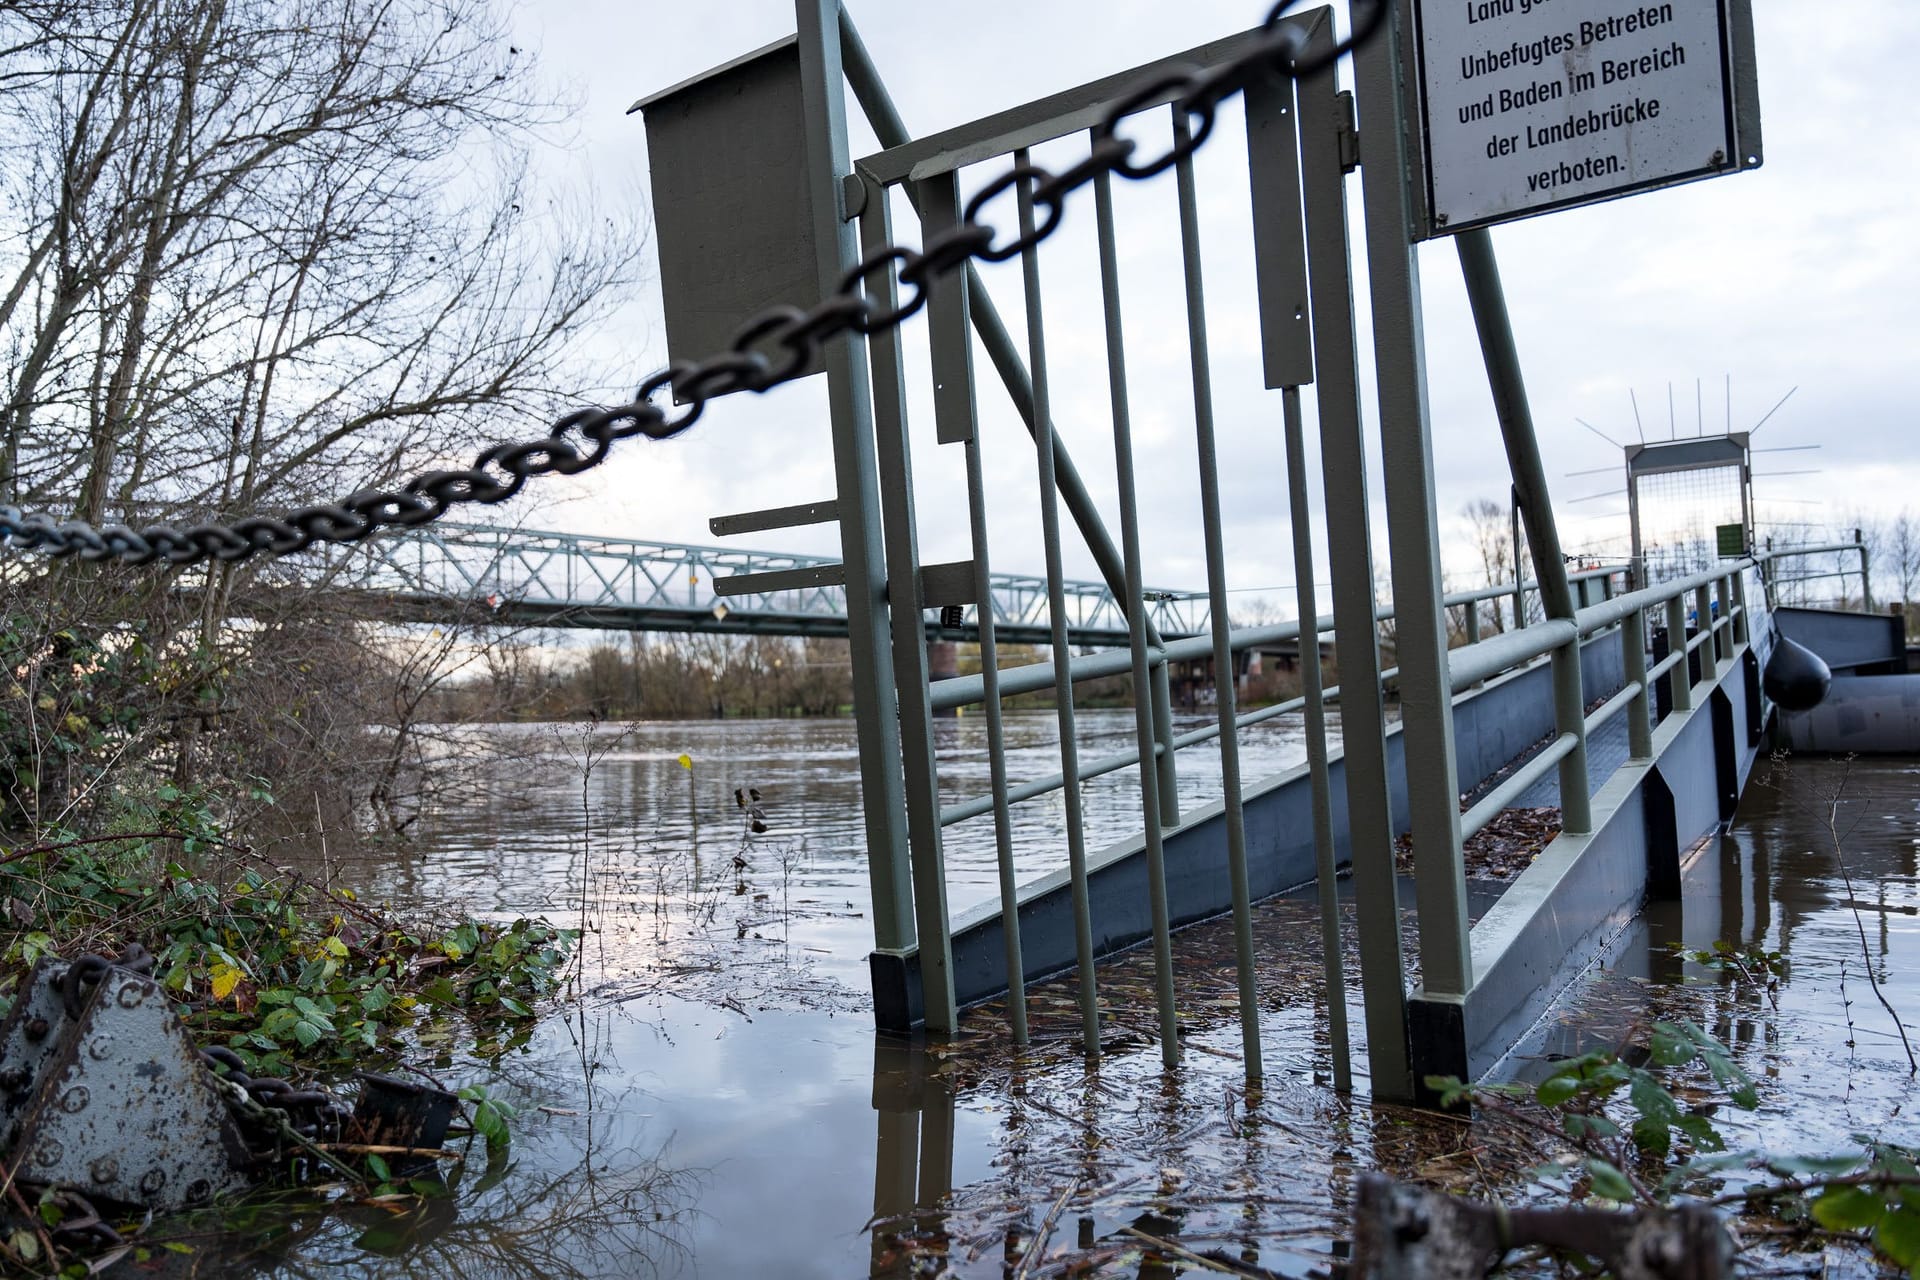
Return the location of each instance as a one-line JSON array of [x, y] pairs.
[[1039, 1245], [1853, 905], [1198, 1259]]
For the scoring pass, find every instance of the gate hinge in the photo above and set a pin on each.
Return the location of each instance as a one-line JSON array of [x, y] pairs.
[[1349, 134]]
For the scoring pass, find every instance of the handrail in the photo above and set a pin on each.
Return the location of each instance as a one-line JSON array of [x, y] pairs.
[[966, 691], [1470, 665]]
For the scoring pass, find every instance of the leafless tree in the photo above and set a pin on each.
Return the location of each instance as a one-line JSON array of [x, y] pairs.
[[256, 253], [1492, 528], [1902, 549]]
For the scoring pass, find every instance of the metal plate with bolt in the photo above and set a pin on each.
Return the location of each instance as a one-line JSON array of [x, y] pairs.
[[114, 1103]]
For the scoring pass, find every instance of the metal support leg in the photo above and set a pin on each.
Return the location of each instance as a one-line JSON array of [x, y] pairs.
[[1326, 872], [1633, 651], [1723, 636], [1742, 625], [1680, 679], [1062, 651], [1703, 615], [1145, 715], [922, 779], [1350, 557], [1413, 526], [1570, 716], [1225, 701], [857, 489]]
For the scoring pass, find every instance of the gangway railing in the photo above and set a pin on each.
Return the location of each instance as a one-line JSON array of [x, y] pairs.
[[969, 691]]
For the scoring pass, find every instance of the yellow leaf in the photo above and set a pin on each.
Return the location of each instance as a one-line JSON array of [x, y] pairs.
[[225, 978], [336, 948], [686, 761]]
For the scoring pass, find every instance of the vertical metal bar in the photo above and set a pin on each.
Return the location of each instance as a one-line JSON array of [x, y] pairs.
[[1413, 528], [940, 206], [1350, 558], [1166, 769], [1143, 713], [1225, 702], [1633, 649], [1057, 616], [891, 130], [1326, 872], [922, 778], [1570, 716], [1866, 573], [1519, 573], [857, 492], [1471, 612], [1680, 679], [1482, 275], [1703, 614], [1742, 625], [996, 740], [1723, 637]]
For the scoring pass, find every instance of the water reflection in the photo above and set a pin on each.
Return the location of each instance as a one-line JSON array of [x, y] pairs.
[[913, 1156], [575, 811], [762, 1127]]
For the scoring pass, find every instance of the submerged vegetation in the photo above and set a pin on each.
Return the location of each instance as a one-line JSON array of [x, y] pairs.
[[1637, 1128], [286, 972]]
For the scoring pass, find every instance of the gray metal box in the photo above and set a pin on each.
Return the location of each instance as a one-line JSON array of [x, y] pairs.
[[730, 204]]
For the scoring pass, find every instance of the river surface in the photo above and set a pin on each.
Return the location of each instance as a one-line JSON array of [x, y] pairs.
[[718, 1103]]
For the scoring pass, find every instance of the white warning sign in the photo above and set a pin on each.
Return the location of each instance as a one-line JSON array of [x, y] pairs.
[[1532, 105]]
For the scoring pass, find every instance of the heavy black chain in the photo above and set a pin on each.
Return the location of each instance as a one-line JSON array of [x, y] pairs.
[[775, 347]]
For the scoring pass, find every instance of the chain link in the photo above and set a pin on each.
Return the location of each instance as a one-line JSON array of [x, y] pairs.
[[773, 348]]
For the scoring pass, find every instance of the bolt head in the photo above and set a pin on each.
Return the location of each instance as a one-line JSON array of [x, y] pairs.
[[75, 1100], [105, 1169]]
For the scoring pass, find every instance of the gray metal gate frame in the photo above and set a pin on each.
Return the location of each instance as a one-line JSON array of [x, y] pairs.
[[888, 588]]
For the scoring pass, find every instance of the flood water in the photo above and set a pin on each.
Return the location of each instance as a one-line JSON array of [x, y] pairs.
[[719, 1105]]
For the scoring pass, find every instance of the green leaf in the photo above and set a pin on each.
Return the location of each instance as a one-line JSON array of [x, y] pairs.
[[377, 1166], [1823, 1166], [1670, 1049], [1898, 1237], [1556, 1090], [1700, 1129], [1848, 1208], [1608, 1182], [1580, 1127]]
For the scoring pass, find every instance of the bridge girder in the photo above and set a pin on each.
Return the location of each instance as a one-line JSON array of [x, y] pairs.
[[447, 573]]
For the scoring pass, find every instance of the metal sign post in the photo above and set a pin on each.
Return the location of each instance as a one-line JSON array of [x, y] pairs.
[[1532, 105]]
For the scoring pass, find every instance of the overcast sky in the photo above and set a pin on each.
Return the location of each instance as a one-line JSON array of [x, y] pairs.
[[1804, 273]]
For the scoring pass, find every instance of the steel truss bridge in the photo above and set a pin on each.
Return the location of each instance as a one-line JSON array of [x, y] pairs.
[[449, 573]]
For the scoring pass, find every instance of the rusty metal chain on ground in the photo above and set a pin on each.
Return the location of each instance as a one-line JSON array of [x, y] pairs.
[[581, 440]]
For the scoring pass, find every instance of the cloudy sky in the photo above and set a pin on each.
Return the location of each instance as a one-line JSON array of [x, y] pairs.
[[1802, 274]]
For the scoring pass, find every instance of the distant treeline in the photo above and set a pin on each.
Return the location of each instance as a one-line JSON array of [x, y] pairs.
[[681, 677]]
